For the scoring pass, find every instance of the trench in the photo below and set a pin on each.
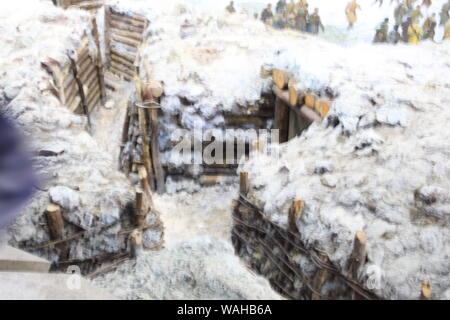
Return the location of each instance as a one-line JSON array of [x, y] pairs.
[[122, 104]]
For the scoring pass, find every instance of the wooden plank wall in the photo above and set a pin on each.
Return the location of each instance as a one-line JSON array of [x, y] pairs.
[[124, 36], [79, 82]]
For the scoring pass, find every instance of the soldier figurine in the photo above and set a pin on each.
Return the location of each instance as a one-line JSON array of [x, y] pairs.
[[415, 32], [405, 27], [445, 13], [399, 13], [394, 36], [302, 18], [281, 7], [429, 27], [350, 12], [315, 23], [416, 15], [230, 8], [267, 15], [447, 30], [426, 3], [381, 33]]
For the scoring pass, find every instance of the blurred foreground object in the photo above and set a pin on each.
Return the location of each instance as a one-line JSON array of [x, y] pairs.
[[16, 173]]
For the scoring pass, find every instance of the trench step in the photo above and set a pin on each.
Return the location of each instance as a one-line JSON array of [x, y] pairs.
[[12, 259]]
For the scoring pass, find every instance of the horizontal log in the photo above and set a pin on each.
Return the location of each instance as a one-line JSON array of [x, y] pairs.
[[243, 120], [280, 78], [123, 55], [122, 68], [71, 91], [116, 24], [120, 73], [124, 40], [93, 103], [74, 104], [135, 17], [86, 76], [138, 36], [122, 61], [92, 93]]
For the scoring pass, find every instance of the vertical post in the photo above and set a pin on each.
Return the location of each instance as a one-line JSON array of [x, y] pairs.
[[358, 257], [100, 67], [295, 212], [243, 183], [425, 292], [281, 121], [139, 206], [136, 243], [55, 221]]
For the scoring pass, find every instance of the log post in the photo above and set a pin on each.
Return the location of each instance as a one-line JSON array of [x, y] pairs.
[[425, 292], [281, 121], [295, 213], [319, 279], [139, 206], [136, 243], [358, 257], [55, 221], [243, 182], [100, 67]]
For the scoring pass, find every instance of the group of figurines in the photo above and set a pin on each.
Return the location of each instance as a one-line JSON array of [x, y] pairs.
[[293, 15], [407, 15]]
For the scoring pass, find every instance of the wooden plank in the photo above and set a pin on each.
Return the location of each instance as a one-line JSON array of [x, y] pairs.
[[100, 66]]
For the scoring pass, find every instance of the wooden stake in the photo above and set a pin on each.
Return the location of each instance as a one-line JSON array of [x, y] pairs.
[[358, 257], [100, 67], [319, 279], [136, 243], [425, 293], [243, 182], [139, 208], [55, 221], [295, 213]]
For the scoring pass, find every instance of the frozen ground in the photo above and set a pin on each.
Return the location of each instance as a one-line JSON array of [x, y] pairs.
[[198, 261]]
